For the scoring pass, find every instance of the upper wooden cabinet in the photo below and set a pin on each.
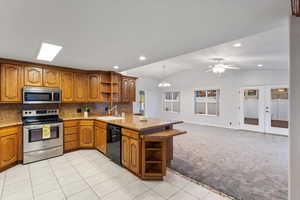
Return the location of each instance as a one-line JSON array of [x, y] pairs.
[[51, 78], [128, 89], [33, 76], [132, 90], [94, 92], [11, 83], [125, 90], [67, 86], [81, 87]]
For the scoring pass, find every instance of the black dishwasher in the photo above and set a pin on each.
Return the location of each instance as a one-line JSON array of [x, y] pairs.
[[114, 139]]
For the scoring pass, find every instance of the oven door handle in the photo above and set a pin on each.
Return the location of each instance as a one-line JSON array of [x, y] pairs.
[[41, 126]]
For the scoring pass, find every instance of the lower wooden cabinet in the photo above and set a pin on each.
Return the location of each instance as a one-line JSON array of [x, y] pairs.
[[9, 146], [71, 135], [125, 151], [134, 158], [86, 135], [100, 139], [131, 154]]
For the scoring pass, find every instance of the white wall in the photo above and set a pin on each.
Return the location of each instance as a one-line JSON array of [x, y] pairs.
[[229, 85], [152, 96], [294, 139]]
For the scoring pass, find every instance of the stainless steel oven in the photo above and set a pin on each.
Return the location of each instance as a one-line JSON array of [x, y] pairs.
[[35, 95], [42, 135]]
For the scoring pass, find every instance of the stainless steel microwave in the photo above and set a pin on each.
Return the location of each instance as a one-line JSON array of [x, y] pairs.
[[34, 95]]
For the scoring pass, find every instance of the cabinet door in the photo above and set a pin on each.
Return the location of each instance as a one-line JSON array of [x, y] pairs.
[[94, 87], [51, 78], [8, 150], [11, 83], [80, 89], [125, 91], [134, 155], [86, 136], [100, 139], [125, 151], [132, 90], [67, 86], [33, 76]]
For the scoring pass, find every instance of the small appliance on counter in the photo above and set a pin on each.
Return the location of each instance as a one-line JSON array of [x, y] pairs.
[[42, 134]]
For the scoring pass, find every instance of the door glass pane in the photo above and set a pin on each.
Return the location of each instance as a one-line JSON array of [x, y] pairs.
[[200, 108], [279, 107], [251, 106]]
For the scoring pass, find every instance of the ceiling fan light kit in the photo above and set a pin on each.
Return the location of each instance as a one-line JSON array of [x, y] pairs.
[[220, 67]]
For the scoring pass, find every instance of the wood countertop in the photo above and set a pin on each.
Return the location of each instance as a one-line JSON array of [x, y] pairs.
[[10, 123], [131, 122]]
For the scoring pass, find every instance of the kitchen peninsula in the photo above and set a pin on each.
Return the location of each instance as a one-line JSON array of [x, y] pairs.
[[146, 146]]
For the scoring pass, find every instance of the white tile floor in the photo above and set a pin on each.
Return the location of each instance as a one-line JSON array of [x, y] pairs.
[[88, 175]]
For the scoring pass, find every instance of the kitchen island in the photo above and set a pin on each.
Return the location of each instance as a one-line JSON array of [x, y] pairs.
[[146, 146]]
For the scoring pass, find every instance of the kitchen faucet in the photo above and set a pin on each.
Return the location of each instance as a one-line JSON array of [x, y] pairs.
[[114, 108]]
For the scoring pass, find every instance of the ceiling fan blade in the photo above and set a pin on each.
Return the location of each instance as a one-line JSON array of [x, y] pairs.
[[229, 67], [210, 70], [210, 66]]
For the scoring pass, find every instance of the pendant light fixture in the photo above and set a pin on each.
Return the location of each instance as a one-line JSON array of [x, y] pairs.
[[164, 83]]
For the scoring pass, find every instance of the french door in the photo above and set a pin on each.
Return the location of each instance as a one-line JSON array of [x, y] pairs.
[[265, 109]]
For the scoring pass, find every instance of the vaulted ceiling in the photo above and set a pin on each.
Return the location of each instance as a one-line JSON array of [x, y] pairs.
[[98, 34]]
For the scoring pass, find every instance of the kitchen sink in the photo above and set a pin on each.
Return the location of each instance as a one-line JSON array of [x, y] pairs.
[[110, 118]]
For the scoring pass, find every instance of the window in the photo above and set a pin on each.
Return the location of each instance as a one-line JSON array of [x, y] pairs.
[[207, 102], [172, 102]]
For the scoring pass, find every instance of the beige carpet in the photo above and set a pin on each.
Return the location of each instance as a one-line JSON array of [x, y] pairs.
[[242, 164]]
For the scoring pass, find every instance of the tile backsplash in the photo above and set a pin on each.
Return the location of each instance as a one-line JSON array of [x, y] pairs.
[[12, 112], [70, 109]]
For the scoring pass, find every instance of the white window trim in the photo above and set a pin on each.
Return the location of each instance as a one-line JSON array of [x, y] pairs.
[[207, 100], [171, 101]]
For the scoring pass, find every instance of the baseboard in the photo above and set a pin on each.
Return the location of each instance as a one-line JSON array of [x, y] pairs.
[[210, 124]]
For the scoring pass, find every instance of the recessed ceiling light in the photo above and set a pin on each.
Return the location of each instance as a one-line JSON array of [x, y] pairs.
[[237, 45], [48, 51], [142, 58], [116, 67], [260, 65]]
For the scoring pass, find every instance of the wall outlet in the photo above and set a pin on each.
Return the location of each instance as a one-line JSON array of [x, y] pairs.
[[230, 123], [78, 110]]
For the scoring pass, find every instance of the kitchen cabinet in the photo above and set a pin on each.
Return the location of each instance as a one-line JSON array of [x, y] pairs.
[[67, 86], [9, 146], [80, 87], [134, 160], [71, 135], [125, 90], [86, 133], [94, 93], [128, 89], [125, 151], [130, 150], [11, 83], [100, 139], [132, 90], [51, 78], [33, 76]]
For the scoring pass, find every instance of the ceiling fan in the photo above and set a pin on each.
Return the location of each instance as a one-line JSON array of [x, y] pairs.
[[220, 67]]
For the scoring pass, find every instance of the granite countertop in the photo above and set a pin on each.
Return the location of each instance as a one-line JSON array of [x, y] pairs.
[[10, 123], [130, 122]]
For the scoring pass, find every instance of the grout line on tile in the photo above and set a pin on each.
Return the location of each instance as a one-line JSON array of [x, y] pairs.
[[83, 179], [30, 180], [3, 184], [60, 186]]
